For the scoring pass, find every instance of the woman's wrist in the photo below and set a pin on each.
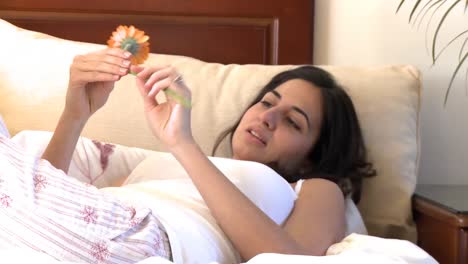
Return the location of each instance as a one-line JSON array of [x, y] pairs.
[[73, 120], [182, 146], [61, 146]]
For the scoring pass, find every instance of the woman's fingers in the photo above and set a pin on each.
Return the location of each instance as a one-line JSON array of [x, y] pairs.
[[172, 83], [144, 76], [87, 77], [117, 52], [136, 69], [158, 76], [115, 56], [89, 65], [147, 72], [109, 61], [152, 80], [159, 85]]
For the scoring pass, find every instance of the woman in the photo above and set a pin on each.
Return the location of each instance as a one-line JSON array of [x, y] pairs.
[[302, 125]]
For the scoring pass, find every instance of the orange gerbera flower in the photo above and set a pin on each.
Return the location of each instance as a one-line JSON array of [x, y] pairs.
[[133, 40]]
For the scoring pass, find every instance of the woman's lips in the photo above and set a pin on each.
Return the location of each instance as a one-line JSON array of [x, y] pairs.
[[257, 136]]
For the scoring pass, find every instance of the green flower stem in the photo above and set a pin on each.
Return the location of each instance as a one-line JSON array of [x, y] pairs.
[[180, 99], [174, 95], [171, 93]]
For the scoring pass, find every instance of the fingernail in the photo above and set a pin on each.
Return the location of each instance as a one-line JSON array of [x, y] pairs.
[[151, 92], [127, 54], [126, 63], [123, 70]]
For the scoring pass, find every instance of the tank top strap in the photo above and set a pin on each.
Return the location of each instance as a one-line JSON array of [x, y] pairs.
[[298, 186]]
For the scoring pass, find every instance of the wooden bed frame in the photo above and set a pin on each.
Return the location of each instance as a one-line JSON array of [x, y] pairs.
[[224, 31]]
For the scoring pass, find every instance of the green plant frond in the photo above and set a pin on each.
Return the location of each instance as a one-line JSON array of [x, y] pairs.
[[441, 22], [421, 11], [462, 48], [399, 6], [450, 42], [426, 34], [429, 9], [453, 77], [414, 10]]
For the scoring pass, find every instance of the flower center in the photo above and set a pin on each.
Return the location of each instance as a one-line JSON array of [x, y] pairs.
[[130, 45]]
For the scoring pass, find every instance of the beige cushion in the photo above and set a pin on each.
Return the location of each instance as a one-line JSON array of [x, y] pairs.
[[34, 76]]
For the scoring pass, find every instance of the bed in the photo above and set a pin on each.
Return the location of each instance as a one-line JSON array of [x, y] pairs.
[[226, 50]]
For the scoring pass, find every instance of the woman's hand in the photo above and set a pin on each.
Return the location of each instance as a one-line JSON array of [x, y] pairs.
[[169, 121], [92, 78]]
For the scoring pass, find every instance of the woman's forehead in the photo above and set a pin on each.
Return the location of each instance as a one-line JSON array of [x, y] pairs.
[[300, 92], [304, 95]]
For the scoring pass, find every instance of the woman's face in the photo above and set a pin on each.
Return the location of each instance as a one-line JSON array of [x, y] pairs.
[[282, 128]]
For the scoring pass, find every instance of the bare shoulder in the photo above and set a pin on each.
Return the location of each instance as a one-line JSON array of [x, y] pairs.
[[321, 186], [321, 195], [318, 219]]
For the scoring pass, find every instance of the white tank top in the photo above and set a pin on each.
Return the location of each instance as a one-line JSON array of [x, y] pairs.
[[298, 186]]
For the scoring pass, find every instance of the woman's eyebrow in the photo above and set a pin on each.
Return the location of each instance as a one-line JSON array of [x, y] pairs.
[[297, 109]]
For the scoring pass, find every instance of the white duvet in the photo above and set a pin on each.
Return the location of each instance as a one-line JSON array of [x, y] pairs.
[[353, 249]]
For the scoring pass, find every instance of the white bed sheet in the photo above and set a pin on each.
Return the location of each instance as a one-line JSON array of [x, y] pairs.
[[353, 249]]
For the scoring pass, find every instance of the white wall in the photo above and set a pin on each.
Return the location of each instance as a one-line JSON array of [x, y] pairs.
[[368, 32]]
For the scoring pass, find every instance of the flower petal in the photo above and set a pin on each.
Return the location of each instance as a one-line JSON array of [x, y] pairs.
[[117, 36], [143, 39], [131, 31], [134, 37], [139, 34]]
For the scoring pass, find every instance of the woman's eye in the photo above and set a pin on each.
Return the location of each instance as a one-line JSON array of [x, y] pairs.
[[266, 103], [293, 124]]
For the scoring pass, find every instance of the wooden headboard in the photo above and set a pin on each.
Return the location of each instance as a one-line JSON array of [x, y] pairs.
[[224, 31]]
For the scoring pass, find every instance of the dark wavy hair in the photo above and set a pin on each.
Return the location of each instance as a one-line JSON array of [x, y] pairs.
[[339, 154]]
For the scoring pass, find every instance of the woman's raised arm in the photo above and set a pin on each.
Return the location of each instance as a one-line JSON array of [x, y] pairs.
[[250, 230], [92, 78]]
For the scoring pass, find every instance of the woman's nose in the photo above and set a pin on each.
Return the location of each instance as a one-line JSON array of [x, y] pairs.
[[269, 118]]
